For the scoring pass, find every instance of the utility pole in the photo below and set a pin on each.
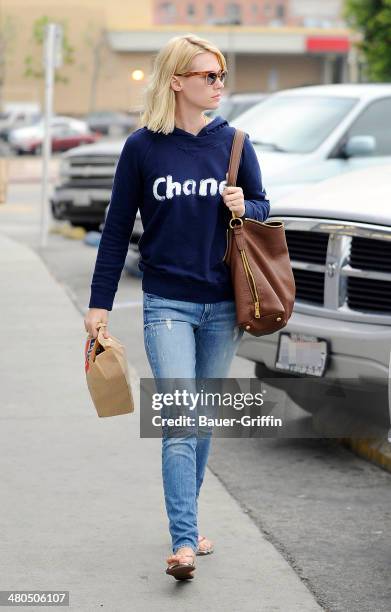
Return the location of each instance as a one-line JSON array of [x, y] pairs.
[[52, 59]]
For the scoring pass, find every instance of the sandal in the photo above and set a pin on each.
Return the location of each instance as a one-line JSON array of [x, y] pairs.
[[204, 551], [181, 570]]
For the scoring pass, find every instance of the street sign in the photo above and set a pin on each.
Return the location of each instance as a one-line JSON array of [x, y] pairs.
[[54, 33], [58, 39]]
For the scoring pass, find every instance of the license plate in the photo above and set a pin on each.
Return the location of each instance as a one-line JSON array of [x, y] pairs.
[[302, 354], [82, 199]]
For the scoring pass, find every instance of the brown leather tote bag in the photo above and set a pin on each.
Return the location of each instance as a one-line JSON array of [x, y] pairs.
[[261, 271]]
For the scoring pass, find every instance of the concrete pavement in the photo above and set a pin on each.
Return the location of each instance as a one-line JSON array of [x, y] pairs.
[[28, 169], [82, 501]]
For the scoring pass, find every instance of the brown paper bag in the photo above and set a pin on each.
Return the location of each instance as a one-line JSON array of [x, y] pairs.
[[107, 375]]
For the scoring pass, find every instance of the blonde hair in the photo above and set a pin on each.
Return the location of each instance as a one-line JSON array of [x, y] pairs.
[[175, 57]]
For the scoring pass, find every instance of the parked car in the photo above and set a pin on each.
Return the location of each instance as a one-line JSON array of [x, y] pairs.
[[86, 177], [66, 133], [231, 106], [307, 134], [339, 239], [111, 123], [18, 114]]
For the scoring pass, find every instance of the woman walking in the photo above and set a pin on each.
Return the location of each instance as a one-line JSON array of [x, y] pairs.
[[174, 169]]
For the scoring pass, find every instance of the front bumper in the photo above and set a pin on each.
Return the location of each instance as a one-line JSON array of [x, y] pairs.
[[359, 360], [87, 205]]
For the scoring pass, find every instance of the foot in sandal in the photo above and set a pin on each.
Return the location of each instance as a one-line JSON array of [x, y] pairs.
[[205, 546], [182, 563]]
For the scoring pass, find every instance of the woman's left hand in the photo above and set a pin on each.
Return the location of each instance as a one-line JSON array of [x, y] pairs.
[[233, 198]]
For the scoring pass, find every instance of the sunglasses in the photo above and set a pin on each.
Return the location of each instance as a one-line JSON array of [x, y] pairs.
[[210, 76]]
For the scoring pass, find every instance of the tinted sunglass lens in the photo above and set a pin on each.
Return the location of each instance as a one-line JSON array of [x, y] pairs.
[[212, 77]]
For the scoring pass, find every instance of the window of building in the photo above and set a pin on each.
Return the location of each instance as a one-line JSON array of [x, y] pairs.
[[233, 10], [190, 10], [254, 9], [167, 11], [280, 11], [209, 10]]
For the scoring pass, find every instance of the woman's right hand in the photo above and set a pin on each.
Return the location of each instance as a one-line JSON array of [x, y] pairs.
[[92, 318]]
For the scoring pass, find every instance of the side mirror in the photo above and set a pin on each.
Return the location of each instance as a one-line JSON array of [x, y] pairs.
[[359, 146]]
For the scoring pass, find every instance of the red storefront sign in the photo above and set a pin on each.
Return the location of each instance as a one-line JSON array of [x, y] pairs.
[[327, 44]]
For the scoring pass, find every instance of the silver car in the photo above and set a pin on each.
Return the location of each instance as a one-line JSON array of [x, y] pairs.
[[307, 134]]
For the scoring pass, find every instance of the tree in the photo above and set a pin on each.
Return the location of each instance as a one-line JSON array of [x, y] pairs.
[[7, 48], [31, 70], [372, 18], [95, 40]]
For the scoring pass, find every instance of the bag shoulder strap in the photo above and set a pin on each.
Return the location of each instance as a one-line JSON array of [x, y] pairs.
[[236, 152]]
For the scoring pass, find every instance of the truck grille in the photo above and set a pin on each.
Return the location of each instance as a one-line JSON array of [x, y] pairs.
[[305, 246], [102, 161], [370, 254], [88, 182], [309, 286], [369, 294], [341, 267], [90, 172]]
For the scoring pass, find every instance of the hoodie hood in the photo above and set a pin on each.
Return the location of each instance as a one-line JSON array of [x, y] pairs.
[[211, 128], [210, 136]]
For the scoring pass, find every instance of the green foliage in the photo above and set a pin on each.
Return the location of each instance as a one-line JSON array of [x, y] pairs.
[[372, 18], [31, 69]]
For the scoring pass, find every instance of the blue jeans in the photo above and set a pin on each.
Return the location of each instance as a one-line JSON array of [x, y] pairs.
[[188, 340]]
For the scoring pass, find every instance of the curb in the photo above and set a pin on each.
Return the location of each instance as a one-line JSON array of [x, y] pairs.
[[69, 231], [376, 450], [375, 447]]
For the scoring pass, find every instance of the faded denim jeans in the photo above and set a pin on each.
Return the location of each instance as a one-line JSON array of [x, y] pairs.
[[187, 340]]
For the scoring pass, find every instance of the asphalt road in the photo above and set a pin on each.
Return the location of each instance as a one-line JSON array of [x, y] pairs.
[[327, 511]]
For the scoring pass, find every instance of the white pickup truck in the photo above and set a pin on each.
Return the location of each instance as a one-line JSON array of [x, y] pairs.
[[339, 336], [83, 192]]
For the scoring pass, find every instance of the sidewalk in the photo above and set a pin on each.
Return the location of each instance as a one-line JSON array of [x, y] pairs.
[[82, 502]]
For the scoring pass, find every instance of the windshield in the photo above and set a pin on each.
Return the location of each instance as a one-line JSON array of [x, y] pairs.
[[224, 109], [229, 108], [293, 124]]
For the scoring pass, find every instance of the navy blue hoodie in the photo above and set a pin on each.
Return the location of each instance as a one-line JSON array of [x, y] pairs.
[[176, 180]]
